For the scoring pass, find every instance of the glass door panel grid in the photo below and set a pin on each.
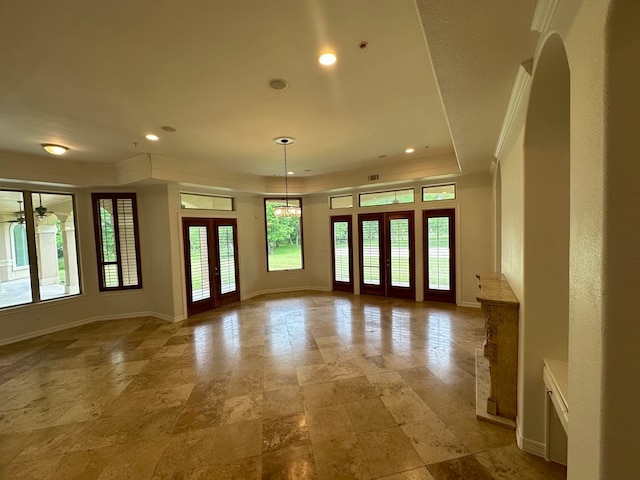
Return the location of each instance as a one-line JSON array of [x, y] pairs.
[[199, 261], [371, 252]]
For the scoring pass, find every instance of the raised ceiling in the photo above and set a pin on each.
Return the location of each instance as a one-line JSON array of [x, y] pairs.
[[98, 76]]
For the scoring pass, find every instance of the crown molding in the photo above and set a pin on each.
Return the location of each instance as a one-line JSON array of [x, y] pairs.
[[543, 15], [523, 77]]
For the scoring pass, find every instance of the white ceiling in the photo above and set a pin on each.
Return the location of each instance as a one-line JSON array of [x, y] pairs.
[[98, 76]]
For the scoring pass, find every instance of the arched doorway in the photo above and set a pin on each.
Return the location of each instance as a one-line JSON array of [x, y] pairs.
[[544, 314]]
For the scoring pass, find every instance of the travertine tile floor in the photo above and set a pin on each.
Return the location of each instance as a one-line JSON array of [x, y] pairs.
[[304, 385]]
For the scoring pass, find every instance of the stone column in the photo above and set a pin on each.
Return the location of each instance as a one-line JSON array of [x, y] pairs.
[[47, 254], [69, 250]]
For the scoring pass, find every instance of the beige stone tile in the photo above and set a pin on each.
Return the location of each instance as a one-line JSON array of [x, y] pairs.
[[187, 452], [286, 401], [237, 440], [51, 442], [433, 441], [172, 381], [388, 383], [277, 380], [242, 408], [313, 374], [136, 460], [13, 443], [416, 474], [369, 414], [309, 357], [320, 395], [289, 463], [249, 468], [407, 407], [169, 397], [462, 467], [84, 464], [354, 389], [41, 469], [341, 458], [284, 432], [246, 383], [510, 462], [328, 423], [389, 451]]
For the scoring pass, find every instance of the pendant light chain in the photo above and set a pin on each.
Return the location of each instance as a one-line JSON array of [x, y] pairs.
[[286, 177]]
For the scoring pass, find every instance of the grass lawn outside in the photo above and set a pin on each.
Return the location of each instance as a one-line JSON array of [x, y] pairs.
[[285, 257]]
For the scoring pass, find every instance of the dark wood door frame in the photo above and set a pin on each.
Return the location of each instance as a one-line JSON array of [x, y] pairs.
[[385, 288], [342, 286], [216, 298], [435, 295]]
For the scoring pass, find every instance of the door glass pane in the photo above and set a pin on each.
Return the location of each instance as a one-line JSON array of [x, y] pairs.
[[438, 253], [341, 244], [400, 255], [199, 261], [226, 259], [55, 229], [15, 277], [371, 252]]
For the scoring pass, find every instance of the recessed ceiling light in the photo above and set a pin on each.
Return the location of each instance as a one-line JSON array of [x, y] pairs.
[[152, 137], [289, 173], [327, 59], [410, 150], [54, 149], [169, 129]]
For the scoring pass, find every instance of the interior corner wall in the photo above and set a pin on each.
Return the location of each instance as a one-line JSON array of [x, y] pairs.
[[475, 234], [156, 249]]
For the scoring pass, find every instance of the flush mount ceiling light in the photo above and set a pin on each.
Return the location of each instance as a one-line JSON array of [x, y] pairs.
[[152, 137], [327, 59], [286, 210], [410, 150], [54, 149]]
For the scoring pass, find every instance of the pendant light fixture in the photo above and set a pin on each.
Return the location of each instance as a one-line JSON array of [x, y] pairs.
[[286, 210]]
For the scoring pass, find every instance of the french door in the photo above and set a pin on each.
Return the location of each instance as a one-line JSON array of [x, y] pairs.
[[342, 253], [211, 263], [440, 259], [386, 254]]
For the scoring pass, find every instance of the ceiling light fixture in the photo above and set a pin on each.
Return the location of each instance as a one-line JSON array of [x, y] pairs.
[[410, 150], [152, 137], [327, 59], [286, 210], [54, 149]]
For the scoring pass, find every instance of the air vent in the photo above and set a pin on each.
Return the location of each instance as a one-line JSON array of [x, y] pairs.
[[373, 177], [278, 84]]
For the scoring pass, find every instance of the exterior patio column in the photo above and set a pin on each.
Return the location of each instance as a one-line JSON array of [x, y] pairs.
[[47, 254], [71, 284]]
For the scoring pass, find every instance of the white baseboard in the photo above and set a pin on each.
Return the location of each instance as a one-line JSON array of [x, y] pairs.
[[530, 446], [469, 304], [84, 321], [283, 290]]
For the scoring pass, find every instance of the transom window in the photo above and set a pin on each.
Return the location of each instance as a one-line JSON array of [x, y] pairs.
[[205, 202], [341, 201], [389, 197], [439, 192]]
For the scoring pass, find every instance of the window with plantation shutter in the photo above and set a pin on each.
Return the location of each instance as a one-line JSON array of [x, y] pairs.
[[116, 227]]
